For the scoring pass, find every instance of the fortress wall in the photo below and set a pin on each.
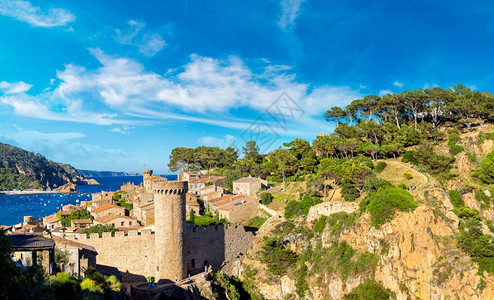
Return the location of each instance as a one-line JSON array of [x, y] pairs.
[[215, 244], [133, 252]]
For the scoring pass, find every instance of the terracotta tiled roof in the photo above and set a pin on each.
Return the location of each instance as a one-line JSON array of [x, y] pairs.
[[51, 219], [109, 218]]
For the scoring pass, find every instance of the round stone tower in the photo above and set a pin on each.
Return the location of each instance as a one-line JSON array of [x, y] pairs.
[[169, 223]]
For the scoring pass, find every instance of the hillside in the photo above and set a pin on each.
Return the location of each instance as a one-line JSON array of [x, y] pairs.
[[430, 242], [21, 169]]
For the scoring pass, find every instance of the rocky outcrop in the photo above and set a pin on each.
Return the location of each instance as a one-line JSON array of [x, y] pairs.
[[91, 182], [67, 188]]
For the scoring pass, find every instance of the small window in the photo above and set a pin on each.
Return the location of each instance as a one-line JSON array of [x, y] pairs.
[[122, 224]]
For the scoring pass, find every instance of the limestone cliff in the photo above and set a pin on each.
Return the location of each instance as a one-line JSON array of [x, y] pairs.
[[415, 255]]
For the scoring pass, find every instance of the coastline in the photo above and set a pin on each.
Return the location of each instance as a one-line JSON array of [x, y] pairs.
[[30, 192]]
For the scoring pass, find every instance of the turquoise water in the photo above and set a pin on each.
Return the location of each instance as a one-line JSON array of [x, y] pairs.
[[14, 207]]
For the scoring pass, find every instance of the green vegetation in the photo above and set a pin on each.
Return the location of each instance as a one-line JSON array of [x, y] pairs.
[[300, 208], [382, 204], [370, 290], [456, 199], [11, 180], [486, 171], [277, 258], [255, 223], [77, 214], [407, 175], [100, 228], [380, 166], [471, 157], [233, 287], [266, 198], [471, 239], [349, 192], [343, 260], [207, 219], [201, 158]]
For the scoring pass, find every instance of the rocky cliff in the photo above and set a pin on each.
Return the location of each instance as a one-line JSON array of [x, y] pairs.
[[417, 254], [21, 169]]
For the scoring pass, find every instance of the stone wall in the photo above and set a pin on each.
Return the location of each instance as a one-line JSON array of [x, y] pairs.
[[329, 208], [214, 245], [133, 252]]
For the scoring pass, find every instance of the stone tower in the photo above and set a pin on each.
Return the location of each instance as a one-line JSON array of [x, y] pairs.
[[146, 174], [169, 223]]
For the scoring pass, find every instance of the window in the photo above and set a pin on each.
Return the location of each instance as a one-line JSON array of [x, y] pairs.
[[130, 223], [122, 224]]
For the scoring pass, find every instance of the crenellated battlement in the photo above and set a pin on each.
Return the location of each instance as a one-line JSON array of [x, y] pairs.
[[171, 188], [109, 235]]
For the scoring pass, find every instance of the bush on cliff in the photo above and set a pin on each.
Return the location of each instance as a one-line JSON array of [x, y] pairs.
[[486, 171], [277, 258], [382, 204], [370, 290], [456, 199]]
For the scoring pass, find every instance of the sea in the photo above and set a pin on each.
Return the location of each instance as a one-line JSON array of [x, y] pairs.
[[14, 207]]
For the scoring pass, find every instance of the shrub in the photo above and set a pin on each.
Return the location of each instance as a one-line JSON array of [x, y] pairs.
[[277, 258], [301, 284], [456, 199], [402, 186], [455, 149], [91, 286], [454, 138], [486, 171], [382, 205], [300, 208], [380, 166], [266, 198], [471, 157], [407, 175], [482, 197], [320, 224], [409, 156], [349, 192], [370, 290], [372, 184], [339, 221]]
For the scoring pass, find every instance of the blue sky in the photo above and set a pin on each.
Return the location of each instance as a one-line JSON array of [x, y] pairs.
[[115, 85]]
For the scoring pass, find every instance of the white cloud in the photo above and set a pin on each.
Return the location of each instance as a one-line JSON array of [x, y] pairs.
[[398, 83], [205, 90], [290, 9], [122, 130], [384, 92], [14, 88], [223, 142], [34, 15], [149, 44]]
